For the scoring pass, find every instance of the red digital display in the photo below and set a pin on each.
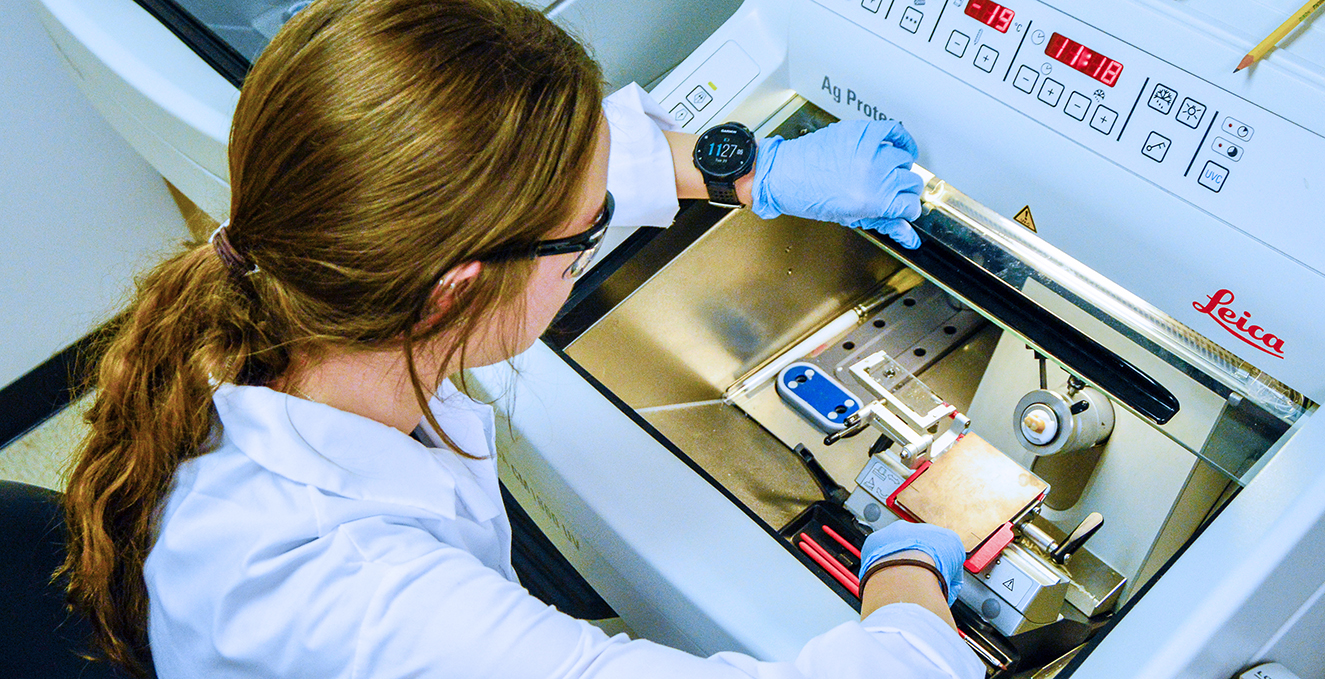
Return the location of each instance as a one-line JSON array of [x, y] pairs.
[[990, 14], [1084, 59]]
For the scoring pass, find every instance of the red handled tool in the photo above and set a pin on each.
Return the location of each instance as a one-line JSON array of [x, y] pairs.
[[828, 563]]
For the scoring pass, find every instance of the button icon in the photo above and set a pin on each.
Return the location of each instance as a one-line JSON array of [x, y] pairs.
[[1050, 91], [699, 98], [682, 115], [1162, 98], [1238, 129], [985, 58], [911, 19], [1213, 176], [1026, 77], [1077, 105], [1156, 147], [957, 43], [871, 5], [1227, 149], [1191, 112], [1103, 119]]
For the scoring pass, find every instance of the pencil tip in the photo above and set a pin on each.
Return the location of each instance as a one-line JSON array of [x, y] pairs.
[[1246, 61]]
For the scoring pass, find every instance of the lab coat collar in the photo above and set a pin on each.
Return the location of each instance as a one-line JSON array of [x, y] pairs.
[[355, 457]]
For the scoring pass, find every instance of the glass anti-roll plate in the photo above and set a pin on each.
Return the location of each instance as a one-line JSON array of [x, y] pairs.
[[1212, 403]]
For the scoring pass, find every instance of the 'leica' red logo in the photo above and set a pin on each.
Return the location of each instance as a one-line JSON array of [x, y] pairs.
[[1217, 308]]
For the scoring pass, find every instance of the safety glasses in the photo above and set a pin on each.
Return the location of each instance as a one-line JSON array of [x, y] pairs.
[[585, 243]]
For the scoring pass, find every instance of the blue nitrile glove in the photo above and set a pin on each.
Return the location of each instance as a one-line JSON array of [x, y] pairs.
[[856, 173], [941, 544]]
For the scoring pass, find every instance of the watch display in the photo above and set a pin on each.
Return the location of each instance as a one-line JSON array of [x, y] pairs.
[[724, 154]]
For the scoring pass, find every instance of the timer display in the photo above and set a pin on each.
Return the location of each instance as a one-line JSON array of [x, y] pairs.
[[990, 14], [1084, 59]]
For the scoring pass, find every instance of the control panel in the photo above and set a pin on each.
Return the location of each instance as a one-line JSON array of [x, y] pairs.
[[1197, 141], [1194, 139], [710, 88]]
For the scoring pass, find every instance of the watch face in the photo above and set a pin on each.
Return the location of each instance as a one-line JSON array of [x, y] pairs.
[[726, 150]]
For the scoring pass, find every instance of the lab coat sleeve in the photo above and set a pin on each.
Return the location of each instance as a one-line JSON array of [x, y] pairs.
[[442, 613], [640, 172]]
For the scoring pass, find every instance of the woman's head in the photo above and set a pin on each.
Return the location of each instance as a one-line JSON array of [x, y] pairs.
[[379, 144], [381, 150]]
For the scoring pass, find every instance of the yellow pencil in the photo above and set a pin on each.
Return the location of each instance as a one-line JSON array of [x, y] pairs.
[[1273, 39]]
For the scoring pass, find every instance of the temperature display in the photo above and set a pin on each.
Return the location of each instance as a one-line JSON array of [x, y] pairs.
[[990, 14], [1083, 59]]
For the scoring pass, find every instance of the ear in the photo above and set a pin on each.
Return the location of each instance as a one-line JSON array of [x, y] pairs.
[[451, 283]]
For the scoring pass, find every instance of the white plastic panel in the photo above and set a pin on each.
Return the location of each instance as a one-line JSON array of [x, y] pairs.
[[166, 102], [1097, 197]]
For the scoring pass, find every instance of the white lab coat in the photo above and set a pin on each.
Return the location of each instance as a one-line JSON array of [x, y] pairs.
[[318, 543]]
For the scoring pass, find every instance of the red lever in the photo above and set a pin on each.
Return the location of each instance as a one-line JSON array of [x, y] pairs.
[[990, 548], [891, 502]]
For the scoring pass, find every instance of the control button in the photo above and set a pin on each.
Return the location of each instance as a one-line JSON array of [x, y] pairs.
[[985, 58], [1156, 147], [1026, 77], [682, 115], [1213, 176], [911, 19], [957, 43], [1050, 91], [1077, 105], [1162, 99], [1227, 149], [1103, 119], [699, 98], [1191, 112], [871, 5], [1238, 129]]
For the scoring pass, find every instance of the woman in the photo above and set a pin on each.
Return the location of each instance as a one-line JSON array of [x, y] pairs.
[[281, 480]]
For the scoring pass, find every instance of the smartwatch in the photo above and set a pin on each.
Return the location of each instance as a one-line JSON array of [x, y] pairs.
[[724, 154]]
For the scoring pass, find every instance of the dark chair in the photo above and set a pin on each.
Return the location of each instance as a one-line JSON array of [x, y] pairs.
[[39, 637]]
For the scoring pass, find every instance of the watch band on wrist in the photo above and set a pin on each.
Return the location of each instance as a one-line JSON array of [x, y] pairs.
[[723, 194], [888, 563]]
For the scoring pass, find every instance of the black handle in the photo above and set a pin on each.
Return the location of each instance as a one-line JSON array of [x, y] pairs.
[[1083, 531], [831, 490]]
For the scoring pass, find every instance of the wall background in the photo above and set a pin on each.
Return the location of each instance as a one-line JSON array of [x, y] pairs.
[[80, 212]]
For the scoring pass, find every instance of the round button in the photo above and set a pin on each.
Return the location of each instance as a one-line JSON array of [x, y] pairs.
[[1039, 424], [873, 512]]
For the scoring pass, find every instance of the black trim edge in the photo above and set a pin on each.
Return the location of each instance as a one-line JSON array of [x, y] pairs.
[[46, 389], [217, 53]]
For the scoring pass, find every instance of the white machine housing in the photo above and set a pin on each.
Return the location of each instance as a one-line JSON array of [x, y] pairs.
[[686, 566], [1238, 593]]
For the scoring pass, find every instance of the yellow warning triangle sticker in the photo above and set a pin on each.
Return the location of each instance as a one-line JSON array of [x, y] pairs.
[[1025, 219]]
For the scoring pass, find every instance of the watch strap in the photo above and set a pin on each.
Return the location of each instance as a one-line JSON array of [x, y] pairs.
[[723, 194]]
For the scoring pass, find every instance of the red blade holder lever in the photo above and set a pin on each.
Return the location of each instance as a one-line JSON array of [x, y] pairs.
[[990, 548], [891, 502]]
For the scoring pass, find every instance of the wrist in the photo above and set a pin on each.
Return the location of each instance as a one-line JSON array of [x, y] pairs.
[[745, 188], [895, 563]]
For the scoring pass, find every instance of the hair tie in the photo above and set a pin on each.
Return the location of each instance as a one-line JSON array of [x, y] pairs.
[[229, 255]]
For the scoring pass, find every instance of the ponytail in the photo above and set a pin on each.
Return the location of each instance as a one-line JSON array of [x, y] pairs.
[[189, 329], [376, 145]]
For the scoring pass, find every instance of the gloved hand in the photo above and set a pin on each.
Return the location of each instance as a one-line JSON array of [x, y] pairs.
[[941, 544], [856, 173]]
